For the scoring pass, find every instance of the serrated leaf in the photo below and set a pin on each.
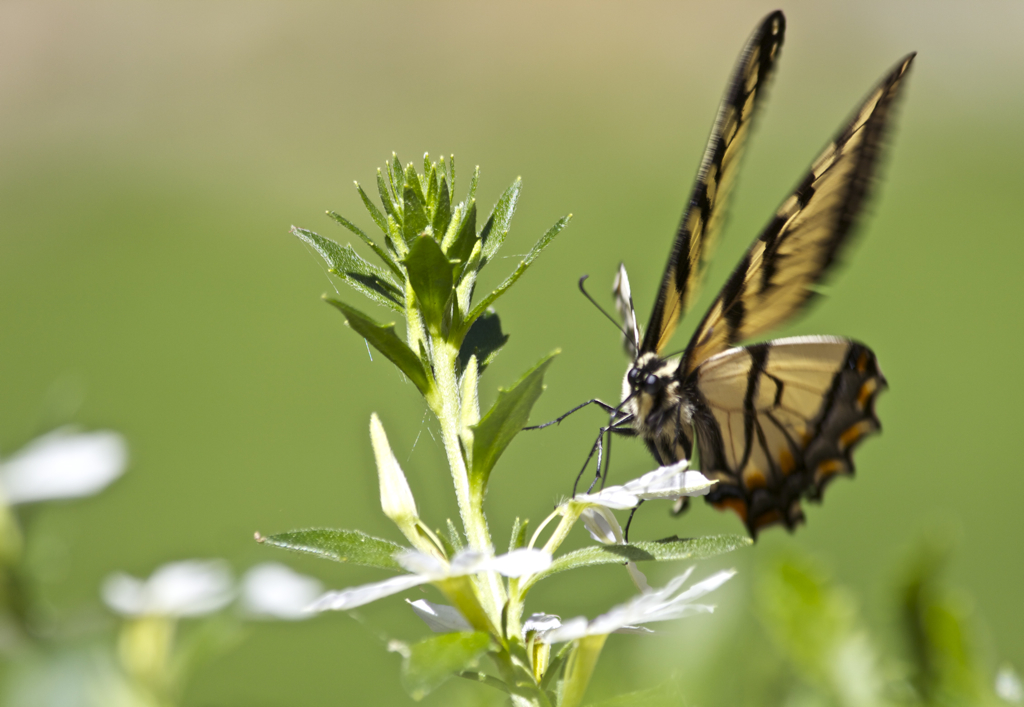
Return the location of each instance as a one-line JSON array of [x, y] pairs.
[[483, 340], [352, 546], [431, 662], [443, 214], [381, 252], [502, 423], [644, 551], [430, 275], [365, 277], [383, 338], [385, 197], [496, 229], [539, 246], [415, 219]]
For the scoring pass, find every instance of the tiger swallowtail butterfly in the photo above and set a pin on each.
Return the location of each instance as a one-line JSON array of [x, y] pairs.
[[773, 422]]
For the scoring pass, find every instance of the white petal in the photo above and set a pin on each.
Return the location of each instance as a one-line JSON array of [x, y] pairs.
[[124, 594], [189, 588], [616, 497], [541, 622], [568, 631], [521, 562], [602, 525], [439, 617], [357, 596], [638, 577], [706, 585], [427, 566], [63, 464], [670, 482], [633, 629], [468, 562], [275, 591]]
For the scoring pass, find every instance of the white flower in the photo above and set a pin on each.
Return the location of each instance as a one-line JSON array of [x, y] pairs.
[[63, 464], [604, 527], [541, 622], [178, 589], [426, 568], [440, 618], [664, 482], [272, 590], [648, 607], [1008, 686]]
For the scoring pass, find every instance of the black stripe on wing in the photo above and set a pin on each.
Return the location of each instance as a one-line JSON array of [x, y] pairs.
[[702, 220], [776, 422], [795, 252]]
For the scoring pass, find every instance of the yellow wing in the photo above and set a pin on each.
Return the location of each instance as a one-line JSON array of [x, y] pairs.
[[705, 211], [775, 278], [777, 421]]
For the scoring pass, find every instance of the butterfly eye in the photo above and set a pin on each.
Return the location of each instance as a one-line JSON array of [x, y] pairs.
[[632, 376], [651, 383]]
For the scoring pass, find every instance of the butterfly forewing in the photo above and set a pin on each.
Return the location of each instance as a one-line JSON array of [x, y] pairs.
[[703, 217], [779, 420], [795, 252]]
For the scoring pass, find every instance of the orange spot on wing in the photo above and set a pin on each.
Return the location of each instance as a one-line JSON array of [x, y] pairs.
[[768, 518], [786, 463], [828, 468], [737, 505], [866, 391], [854, 433], [862, 361], [753, 478]]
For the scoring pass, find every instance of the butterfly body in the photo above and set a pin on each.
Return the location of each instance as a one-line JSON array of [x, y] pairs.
[[773, 422]]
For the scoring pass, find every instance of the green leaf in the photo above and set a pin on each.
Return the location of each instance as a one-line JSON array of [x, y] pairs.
[[365, 277], [383, 338], [431, 662], [455, 537], [443, 214], [385, 197], [396, 175], [375, 214], [451, 174], [465, 239], [472, 185], [540, 245], [431, 175], [518, 537], [430, 275], [483, 340], [503, 422], [496, 229], [643, 551], [351, 546], [415, 219], [381, 252]]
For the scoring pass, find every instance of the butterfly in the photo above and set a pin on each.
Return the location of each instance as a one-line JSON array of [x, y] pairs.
[[773, 422]]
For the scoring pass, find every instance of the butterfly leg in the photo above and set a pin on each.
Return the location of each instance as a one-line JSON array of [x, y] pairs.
[[625, 531], [603, 405]]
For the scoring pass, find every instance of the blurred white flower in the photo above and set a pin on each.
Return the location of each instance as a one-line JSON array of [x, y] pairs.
[[541, 622], [63, 464], [666, 482], [272, 590], [1008, 686], [178, 589], [648, 607], [440, 618], [426, 568]]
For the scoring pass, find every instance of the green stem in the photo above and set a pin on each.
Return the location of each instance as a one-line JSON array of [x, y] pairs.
[[448, 411]]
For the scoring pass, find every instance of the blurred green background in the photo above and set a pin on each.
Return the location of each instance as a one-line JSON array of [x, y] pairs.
[[153, 156]]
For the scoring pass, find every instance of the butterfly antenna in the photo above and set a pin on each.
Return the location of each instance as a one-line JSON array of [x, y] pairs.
[[600, 308]]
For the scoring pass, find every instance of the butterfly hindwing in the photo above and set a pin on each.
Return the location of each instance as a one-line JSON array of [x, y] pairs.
[[702, 219], [795, 252], [779, 420]]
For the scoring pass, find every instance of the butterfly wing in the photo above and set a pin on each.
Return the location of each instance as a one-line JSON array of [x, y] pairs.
[[795, 252], [779, 420], [705, 210]]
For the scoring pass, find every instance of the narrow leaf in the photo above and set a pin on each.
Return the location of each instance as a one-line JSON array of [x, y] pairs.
[[472, 184], [443, 214], [367, 278], [381, 252], [432, 188], [351, 546], [518, 537], [451, 174], [502, 423], [465, 239], [383, 338], [385, 197], [415, 215], [644, 551], [396, 175], [455, 537], [430, 275], [539, 246], [496, 229], [431, 662]]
